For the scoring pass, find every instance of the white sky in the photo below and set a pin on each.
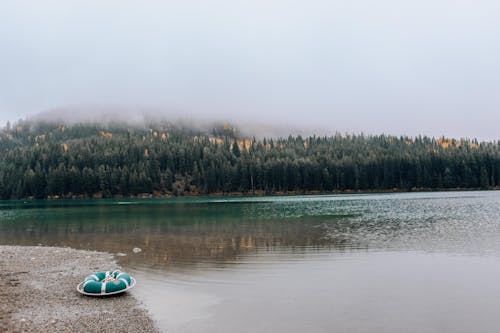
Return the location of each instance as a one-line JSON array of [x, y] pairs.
[[383, 66]]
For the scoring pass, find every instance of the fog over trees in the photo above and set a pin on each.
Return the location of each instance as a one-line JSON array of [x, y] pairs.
[[51, 159]]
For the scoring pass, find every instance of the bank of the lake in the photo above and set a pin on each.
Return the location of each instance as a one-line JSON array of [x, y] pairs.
[[38, 291], [261, 193]]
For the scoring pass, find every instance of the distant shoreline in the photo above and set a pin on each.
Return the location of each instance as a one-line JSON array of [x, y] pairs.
[[261, 193]]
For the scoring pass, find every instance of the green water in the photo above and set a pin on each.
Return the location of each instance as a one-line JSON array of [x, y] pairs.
[[414, 262]]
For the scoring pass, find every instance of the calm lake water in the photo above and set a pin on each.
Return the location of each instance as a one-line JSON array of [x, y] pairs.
[[413, 262]]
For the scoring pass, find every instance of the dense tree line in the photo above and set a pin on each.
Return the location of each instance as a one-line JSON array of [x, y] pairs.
[[43, 160]]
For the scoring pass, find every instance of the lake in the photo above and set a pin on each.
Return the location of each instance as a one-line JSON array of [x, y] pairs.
[[406, 262]]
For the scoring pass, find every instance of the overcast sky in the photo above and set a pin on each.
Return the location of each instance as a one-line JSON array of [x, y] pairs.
[[383, 66]]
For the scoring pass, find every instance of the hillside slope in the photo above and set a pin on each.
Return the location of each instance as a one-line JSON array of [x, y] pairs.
[[41, 160]]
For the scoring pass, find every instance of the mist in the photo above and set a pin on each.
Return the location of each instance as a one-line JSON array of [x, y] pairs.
[[147, 117], [285, 67]]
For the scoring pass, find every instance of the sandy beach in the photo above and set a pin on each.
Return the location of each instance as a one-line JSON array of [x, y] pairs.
[[38, 293]]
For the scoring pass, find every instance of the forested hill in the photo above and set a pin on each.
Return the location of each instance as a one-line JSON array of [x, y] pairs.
[[40, 160]]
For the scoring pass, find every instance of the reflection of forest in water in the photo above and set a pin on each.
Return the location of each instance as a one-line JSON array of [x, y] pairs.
[[170, 234], [215, 231]]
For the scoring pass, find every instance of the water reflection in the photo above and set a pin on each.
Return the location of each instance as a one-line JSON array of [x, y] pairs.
[[176, 234], [168, 234]]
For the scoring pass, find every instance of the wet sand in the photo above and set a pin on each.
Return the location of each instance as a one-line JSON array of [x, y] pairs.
[[38, 293]]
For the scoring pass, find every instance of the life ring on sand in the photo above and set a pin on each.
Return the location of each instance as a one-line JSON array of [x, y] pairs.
[[106, 283]]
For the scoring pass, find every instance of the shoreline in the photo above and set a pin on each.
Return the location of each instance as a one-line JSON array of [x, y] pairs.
[[38, 286], [259, 193]]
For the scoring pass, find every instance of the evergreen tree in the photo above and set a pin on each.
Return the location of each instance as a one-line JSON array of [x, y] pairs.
[[40, 160]]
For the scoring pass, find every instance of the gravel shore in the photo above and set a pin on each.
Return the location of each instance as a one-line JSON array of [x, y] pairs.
[[38, 293]]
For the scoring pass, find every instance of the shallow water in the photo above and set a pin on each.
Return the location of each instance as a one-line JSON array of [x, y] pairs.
[[413, 262]]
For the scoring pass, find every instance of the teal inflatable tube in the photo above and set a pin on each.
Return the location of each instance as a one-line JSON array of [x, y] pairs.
[[106, 283]]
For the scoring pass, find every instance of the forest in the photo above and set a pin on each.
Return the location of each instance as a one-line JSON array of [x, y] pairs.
[[54, 160]]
